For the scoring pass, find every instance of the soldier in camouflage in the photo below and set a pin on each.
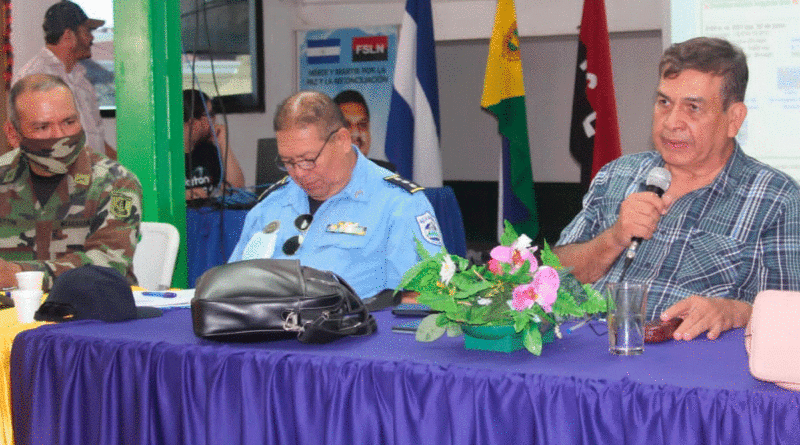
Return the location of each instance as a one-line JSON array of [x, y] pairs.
[[62, 205]]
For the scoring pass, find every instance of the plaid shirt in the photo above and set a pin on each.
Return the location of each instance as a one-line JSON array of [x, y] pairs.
[[732, 238]]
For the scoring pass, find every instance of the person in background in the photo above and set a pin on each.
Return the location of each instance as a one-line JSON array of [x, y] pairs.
[[727, 228], [356, 114], [336, 210], [64, 205], [206, 149], [68, 40]]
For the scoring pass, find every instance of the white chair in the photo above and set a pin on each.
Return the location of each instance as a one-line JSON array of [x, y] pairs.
[[154, 259]]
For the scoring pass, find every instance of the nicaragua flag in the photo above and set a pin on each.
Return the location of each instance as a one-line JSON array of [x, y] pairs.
[[504, 96], [412, 132], [323, 51]]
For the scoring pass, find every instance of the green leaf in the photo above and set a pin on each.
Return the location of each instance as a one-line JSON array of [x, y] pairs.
[[549, 258], [454, 330], [461, 263], [438, 302], [472, 289], [521, 321], [597, 302], [523, 272], [565, 305], [428, 329], [509, 234], [422, 252], [532, 339], [569, 283], [417, 272]]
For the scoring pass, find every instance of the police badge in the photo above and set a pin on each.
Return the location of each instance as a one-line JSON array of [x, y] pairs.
[[430, 228]]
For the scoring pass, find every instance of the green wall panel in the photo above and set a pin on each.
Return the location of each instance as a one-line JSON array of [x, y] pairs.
[[149, 115]]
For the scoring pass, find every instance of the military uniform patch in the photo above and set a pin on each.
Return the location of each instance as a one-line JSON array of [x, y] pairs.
[[121, 205], [404, 183], [82, 179], [430, 228]]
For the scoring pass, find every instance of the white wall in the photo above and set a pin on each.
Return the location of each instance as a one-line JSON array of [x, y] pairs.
[[462, 28]]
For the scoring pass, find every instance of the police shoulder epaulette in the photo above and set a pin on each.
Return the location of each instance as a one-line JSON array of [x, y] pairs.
[[403, 183], [275, 186]]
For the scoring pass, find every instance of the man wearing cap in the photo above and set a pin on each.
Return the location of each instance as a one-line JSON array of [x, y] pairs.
[[68, 40], [336, 210], [62, 205]]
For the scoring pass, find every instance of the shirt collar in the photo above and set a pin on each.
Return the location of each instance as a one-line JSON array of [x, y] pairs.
[[727, 179], [56, 63], [731, 175], [354, 189]]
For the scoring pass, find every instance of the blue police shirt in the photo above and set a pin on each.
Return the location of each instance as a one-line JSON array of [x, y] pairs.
[[365, 233]]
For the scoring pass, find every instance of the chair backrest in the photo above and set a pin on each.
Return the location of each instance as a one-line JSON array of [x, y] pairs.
[[154, 259]]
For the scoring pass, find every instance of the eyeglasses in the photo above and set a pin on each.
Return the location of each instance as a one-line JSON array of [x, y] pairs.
[[304, 164], [302, 223]]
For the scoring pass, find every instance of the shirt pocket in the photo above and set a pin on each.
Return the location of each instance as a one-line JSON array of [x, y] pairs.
[[343, 241], [710, 264]]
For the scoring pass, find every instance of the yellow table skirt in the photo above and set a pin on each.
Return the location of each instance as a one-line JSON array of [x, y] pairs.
[[9, 328]]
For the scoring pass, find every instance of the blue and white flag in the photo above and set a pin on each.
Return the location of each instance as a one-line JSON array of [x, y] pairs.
[[412, 134], [323, 51]]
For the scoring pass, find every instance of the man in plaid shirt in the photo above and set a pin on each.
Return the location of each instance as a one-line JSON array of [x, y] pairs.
[[727, 227]]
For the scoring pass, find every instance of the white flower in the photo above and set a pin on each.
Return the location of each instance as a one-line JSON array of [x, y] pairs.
[[558, 331], [522, 243], [448, 270], [484, 301]]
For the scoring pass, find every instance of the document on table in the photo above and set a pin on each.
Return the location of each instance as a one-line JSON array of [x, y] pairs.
[[167, 298]]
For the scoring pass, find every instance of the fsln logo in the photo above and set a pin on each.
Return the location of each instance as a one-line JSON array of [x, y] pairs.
[[370, 49]]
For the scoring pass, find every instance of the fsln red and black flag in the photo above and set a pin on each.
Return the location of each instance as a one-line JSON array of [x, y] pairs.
[[594, 135]]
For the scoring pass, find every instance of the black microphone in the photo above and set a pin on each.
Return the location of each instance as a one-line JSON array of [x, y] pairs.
[[657, 181]]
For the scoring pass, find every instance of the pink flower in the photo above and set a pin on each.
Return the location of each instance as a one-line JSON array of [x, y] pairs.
[[523, 297], [495, 267], [543, 290], [516, 255]]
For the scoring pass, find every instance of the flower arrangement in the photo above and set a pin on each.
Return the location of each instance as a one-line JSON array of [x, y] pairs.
[[513, 288]]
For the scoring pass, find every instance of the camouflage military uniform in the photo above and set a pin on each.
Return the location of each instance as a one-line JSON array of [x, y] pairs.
[[92, 217]]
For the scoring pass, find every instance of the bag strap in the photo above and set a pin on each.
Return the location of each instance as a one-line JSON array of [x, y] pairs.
[[319, 330]]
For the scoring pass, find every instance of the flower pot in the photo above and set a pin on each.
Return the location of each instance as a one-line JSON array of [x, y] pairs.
[[498, 338]]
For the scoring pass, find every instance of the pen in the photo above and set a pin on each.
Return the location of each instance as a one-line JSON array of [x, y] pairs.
[[578, 325], [160, 294]]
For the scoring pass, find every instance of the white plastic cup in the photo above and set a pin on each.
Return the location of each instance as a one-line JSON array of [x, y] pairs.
[[26, 302], [30, 280]]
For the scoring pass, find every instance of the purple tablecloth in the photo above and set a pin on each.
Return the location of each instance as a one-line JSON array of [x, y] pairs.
[[152, 381]]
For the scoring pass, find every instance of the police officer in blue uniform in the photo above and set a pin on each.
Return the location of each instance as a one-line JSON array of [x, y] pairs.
[[336, 210]]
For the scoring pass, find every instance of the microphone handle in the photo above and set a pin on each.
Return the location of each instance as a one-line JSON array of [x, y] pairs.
[[630, 253], [655, 189], [638, 240]]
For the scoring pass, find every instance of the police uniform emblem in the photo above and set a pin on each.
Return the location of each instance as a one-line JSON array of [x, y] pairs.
[[121, 205], [349, 228], [430, 228], [272, 227]]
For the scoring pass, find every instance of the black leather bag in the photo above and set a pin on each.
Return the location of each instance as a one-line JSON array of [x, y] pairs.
[[270, 299]]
